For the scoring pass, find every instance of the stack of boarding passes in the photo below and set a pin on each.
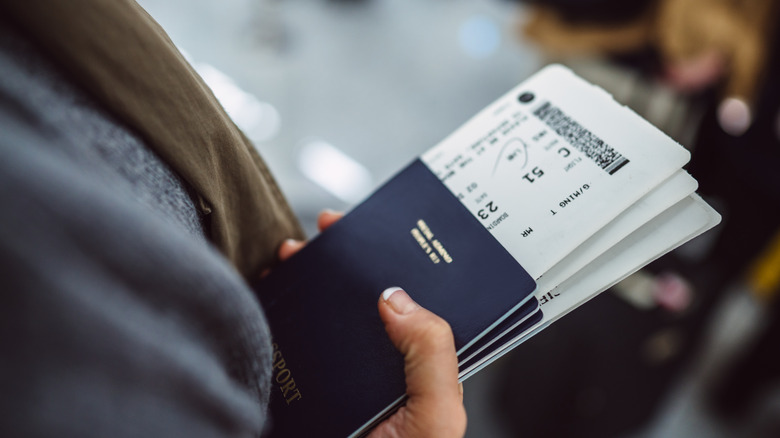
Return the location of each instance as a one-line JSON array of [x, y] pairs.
[[578, 188]]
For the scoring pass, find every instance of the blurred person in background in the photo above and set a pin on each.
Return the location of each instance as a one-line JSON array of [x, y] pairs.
[[721, 59], [134, 215]]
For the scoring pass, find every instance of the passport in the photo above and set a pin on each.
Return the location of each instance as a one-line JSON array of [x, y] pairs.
[[542, 200], [321, 304]]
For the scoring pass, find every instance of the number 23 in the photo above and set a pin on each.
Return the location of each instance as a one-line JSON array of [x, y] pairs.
[[490, 207]]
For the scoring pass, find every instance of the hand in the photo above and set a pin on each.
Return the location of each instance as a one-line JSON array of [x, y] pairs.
[[435, 404]]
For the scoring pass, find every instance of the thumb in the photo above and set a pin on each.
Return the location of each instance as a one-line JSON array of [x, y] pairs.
[[435, 405]]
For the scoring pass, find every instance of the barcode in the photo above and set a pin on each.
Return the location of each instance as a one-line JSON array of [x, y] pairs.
[[582, 139]]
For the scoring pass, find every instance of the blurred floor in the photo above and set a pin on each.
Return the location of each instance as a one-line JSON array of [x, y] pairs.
[[360, 88]]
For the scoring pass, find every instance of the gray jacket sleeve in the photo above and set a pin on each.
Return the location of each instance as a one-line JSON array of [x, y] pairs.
[[114, 322]]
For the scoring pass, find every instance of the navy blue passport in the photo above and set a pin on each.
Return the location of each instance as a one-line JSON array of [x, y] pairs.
[[335, 371]]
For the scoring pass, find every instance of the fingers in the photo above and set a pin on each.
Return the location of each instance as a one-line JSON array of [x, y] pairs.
[[328, 218], [435, 405], [289, 247]]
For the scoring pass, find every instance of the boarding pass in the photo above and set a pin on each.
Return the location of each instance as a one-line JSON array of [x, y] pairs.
[[550, 163]]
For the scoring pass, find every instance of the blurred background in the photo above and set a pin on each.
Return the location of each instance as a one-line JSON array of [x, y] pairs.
[[338, 95]]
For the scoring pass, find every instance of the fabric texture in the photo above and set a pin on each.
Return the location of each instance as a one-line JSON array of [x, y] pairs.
[[132, 207], [117, 317], [96, 140], [121, 57]]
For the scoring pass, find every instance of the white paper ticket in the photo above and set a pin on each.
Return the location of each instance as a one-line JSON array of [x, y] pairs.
[[552, 162]]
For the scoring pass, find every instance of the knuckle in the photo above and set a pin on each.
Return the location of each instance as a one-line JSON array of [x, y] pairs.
[[435, 335], [437, 330]]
